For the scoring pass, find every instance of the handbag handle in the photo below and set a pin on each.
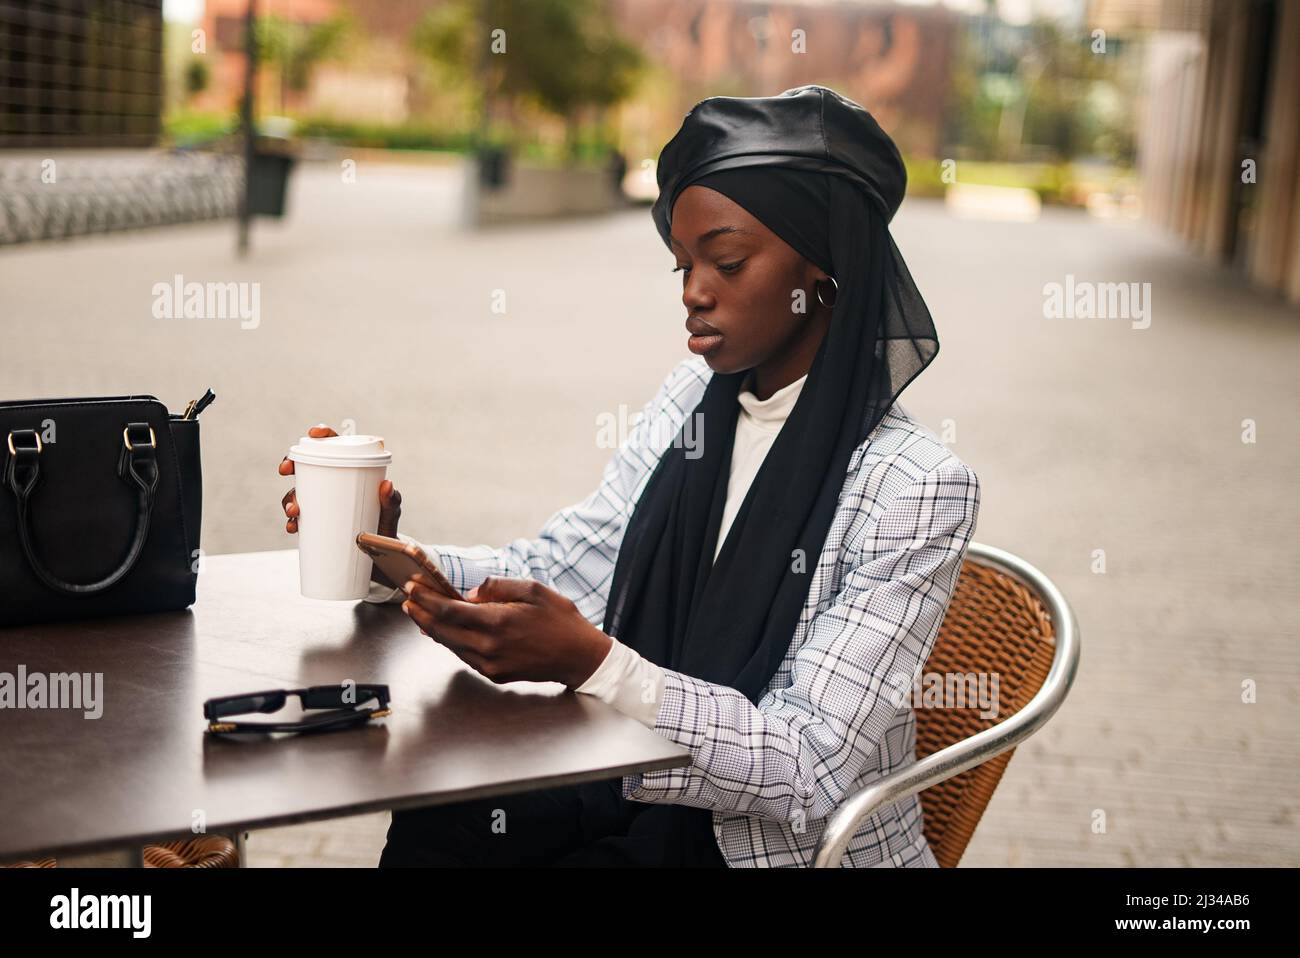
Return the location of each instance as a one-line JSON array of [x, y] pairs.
[[137, 465]]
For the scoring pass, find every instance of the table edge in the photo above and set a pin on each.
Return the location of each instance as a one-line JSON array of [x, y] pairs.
[[417, 800]]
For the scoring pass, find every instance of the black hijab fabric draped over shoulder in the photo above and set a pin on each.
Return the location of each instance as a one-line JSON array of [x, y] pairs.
[[817, 170]]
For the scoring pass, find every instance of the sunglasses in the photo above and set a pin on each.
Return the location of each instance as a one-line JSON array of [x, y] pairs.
[[340, 701]]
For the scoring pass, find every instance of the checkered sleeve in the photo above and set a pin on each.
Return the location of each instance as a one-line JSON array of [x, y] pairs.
[[794, 757], [577, 548]]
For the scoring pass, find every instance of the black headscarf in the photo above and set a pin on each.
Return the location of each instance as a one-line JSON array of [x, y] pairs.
[[816, 170]]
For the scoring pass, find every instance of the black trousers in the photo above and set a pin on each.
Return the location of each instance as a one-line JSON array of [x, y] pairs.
[[574, 826]]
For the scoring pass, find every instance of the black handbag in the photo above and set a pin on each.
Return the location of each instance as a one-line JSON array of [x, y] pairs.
[[100, 507]]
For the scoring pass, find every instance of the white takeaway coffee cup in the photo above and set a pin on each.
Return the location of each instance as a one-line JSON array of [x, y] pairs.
[[337, 484]]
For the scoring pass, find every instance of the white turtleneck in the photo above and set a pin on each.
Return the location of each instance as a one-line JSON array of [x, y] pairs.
[[756, 428], [625, 679]]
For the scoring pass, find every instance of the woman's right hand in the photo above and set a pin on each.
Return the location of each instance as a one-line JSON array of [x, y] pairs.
[[390, 502]]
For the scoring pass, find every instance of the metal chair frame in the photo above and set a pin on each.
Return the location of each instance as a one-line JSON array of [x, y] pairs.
[[979, 748]]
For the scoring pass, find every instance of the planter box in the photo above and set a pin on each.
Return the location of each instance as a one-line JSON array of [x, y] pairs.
[[527, 191]]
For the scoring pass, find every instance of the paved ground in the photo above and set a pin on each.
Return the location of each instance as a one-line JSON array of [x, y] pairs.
[[1087, 434]]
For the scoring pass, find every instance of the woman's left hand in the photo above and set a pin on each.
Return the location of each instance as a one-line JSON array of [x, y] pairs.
[[511, 630]]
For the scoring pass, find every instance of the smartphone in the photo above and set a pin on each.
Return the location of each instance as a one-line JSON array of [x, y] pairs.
[[400, 560]]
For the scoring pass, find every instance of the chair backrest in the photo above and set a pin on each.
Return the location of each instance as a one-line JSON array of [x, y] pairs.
[[996, 625]]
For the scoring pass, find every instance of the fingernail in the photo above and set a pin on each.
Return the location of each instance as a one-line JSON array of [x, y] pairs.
[[409, 587]]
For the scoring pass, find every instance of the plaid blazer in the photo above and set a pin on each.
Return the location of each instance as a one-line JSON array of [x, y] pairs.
[[829, 721]]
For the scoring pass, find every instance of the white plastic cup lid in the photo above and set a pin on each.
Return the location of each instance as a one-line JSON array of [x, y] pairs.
[[348, 451]]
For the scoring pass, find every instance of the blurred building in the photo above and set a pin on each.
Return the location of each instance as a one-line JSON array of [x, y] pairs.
[[80, 73], [223, 24], [1219, 145], [1123, 16], [894, 59], [377, 82]]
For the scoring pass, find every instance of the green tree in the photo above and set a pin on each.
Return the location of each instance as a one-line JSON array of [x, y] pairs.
[[1054, 91], [562, 56], [296, 48]]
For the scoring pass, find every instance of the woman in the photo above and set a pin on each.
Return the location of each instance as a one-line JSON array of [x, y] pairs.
[[769, 556]]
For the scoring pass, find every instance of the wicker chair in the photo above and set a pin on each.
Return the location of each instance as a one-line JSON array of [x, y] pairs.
[[206, 851], [1007, 619]]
